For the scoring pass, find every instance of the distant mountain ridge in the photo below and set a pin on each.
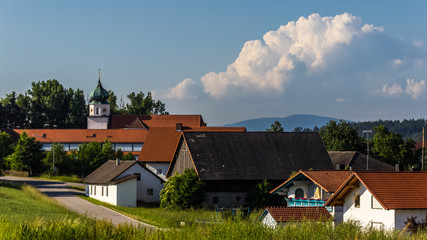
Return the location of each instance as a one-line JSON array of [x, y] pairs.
[[289, 123]]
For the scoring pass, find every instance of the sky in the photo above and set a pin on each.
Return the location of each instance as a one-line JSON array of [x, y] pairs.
[[227, 60]]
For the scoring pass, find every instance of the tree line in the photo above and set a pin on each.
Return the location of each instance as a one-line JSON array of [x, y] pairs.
[[48, 104]]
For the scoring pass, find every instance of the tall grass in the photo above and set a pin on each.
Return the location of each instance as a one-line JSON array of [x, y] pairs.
[[85, 229]]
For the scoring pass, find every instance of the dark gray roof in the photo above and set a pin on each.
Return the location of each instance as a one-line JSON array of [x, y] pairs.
[[357, 161], [255, 155], [107, 172]]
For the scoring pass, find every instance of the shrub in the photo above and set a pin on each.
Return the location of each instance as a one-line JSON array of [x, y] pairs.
[[183, 191]]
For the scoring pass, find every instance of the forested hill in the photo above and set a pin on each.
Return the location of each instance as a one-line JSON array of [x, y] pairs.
[[408, 128]]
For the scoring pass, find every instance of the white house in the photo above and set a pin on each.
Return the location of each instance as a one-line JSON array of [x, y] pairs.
[[312, 189], [278, 216], [382, 199], [123, 183]]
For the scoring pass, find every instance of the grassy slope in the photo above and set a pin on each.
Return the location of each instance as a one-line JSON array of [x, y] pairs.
[[26, 205]]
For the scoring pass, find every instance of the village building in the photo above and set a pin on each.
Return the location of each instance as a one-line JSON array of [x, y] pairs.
[[312, 189], [382, 200], [279, 216], [356, 161], [231, 163], [123, 183]]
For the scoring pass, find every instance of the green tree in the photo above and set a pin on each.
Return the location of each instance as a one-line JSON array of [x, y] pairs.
[[13, 114], [61, 161], [77, 112], [141, 104], [27, 155], [260, 196], [5, 147], [182, 191], [391, 148], [275, 127], [92, 155], [341, 137]]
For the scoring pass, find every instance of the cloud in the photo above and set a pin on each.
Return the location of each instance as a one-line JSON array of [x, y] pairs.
[[415, 89], [394, 89], [181, 91], [419, 44], [297, 47], [340, 100]]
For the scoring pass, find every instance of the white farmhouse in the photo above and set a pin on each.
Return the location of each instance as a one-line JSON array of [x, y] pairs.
[[382, 199], [123, 183]]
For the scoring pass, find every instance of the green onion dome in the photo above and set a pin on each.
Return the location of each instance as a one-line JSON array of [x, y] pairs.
[[99, 95]]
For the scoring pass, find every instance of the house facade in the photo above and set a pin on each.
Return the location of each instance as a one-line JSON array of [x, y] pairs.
[[123, 183], [231, 163], [312, 189], [375, 199]]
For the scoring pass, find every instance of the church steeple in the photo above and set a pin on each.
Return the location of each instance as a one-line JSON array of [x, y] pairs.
[[99, 108]]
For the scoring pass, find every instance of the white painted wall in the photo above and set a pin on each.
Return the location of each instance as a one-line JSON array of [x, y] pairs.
[[103, 110], [97, 123], [304, 185], [96, 193], [163, 166], [147, 181], [269, 221], [366, 215], [402, 215]]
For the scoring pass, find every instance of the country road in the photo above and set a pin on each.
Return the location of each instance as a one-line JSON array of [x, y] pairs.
[[68, 197]]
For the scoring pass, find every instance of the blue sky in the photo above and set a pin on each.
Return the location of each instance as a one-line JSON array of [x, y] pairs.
[[227, 60]]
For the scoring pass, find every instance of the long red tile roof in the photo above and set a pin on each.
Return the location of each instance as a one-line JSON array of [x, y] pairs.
[[87, 135], [122, 121], [393, 190], [161, 143], [296, 214]]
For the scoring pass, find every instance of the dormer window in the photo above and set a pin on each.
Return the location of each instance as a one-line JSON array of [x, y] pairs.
[[44, 135]]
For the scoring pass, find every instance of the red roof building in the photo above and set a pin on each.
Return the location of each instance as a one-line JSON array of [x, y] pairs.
[[274, 216]]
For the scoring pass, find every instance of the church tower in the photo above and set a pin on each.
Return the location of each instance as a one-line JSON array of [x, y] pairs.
[[99, 108]]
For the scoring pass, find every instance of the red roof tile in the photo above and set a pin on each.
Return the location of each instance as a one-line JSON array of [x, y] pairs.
[[122, 121], [393, 190], [86, 135], [296, 214], [161, 143]]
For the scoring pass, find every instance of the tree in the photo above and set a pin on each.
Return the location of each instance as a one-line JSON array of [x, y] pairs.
[[5, 147], [182, 191], [27, 155], [62, 160], [77, 113], [260, 196], [390, 148], [341, 137], [275, 127], [14, 116], [141, 104]]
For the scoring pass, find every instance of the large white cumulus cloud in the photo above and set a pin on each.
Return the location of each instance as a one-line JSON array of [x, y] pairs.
[[269, 64]]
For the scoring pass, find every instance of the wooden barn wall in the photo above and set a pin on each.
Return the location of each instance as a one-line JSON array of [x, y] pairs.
[[183, 160]]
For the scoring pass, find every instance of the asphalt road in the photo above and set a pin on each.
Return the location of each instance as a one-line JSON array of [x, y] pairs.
[[67, 197]]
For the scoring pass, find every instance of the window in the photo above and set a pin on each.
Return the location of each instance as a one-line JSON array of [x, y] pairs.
[[94, 190], [149, 191], [124, 147], [139, 176], [238, 198], [106, 191], [91, 189], [299, 193], [97, 110], [215, 200], [356, 201], [375, 204], [137, 147], [102, 191], [159, 171]]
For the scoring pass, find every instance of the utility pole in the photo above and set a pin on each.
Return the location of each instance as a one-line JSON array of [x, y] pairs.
[[367, 144]]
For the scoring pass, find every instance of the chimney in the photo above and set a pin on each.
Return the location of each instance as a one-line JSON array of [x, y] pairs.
[[396, 167], [117, 162], [179, 127]]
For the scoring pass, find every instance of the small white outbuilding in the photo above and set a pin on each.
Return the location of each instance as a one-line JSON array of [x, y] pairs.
[[123, 183]]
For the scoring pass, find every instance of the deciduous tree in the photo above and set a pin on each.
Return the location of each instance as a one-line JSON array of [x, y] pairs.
[[341, 137], [275, 127]]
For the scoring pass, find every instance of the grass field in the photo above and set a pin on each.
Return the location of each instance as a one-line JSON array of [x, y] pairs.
[[163, 218], [27, 214], [73, 178], [25, 204]]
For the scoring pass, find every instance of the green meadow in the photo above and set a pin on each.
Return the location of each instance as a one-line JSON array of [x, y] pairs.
[[27, 214]]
